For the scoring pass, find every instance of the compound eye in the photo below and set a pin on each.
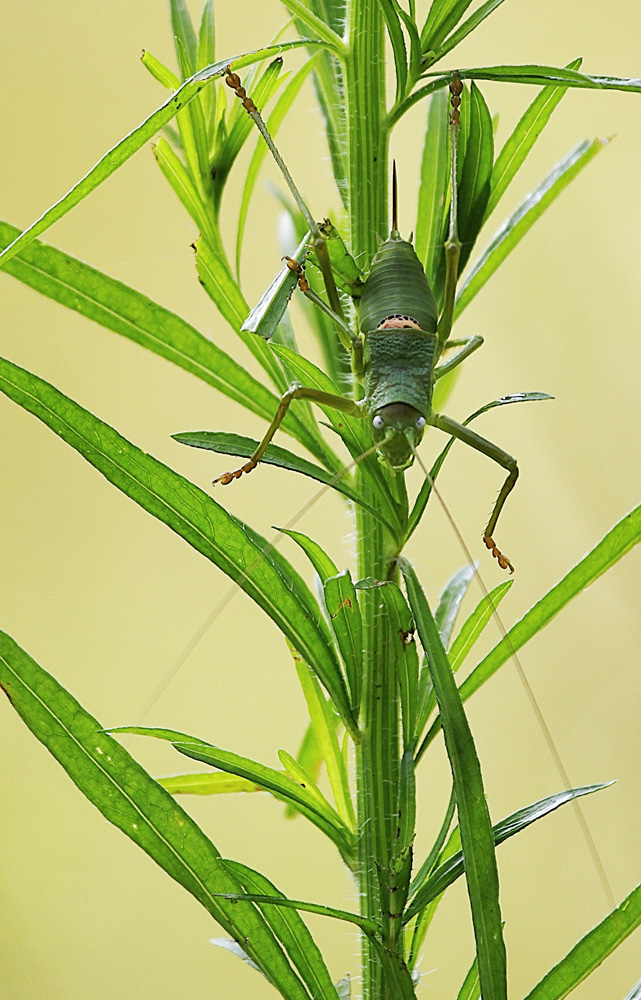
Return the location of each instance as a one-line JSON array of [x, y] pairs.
[[378, 423], [420, 423]]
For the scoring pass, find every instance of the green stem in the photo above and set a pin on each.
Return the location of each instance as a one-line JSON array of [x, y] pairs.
[[377, 760]]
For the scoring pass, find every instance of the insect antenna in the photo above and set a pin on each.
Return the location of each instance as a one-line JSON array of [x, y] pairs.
[[536, 708], [229, 595]]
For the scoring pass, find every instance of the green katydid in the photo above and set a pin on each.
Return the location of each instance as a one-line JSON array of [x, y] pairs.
[[400, 339]]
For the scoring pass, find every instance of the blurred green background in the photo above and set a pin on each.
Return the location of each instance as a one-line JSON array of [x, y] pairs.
[[106, 598]]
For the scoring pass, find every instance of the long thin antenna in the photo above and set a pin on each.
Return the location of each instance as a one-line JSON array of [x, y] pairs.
[[536, 708]]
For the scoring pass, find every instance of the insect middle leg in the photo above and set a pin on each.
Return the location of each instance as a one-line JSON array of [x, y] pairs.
[[497, 455], [295, 391]]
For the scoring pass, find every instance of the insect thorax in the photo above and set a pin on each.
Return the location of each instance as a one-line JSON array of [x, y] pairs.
[[398, 368]]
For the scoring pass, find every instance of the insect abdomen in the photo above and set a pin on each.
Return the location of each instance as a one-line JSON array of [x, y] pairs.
[[397, 287]]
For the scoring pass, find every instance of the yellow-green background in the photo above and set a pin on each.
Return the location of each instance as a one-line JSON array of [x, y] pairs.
[[105, 598]]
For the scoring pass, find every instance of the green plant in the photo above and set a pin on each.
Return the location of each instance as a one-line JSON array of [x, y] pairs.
[[382, 863]]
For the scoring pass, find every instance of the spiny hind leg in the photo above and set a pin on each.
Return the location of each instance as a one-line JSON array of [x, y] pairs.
[[497, 455]]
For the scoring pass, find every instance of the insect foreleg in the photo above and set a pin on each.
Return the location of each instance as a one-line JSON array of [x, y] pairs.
[[497, 455], [295, 391], [345, 334], [468, 347]]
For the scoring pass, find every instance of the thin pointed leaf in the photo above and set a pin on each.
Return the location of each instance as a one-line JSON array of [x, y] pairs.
[[324, 723], [234, 948], [324, 566], [591, 950], [282, 106], [474, 820], [300, 776], [265, 575], [475, 171], [301, 11], [473, 627], [345, 618], [454, 866], [225, 443], [522, 139], [471, 987], [368, 926], [450, 602], [121, 152], [309, 803], [184, 32], [406, 656], [290, 929], [467, 27], [443, 17], [206, 54], [523, 218], [268, 312], [130, 799], [309, 755], [617, 543], [191, 124], [434, 188], [133, 315], [209, 783], [541, 75], [159, 71], [180, 179], [397, 40]]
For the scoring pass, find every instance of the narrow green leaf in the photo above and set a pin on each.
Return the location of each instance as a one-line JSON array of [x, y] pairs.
[[466, 28], [184, 33], [180, 179], [324, 566], [635, 993], [323, 724], [397, 40], [471, 987], [437, 846], [268, 312], [591, 950], [475, 171], [452, 868], [433, 192], [216, 783], [121, 152], [159, 71], [473, 627], [537, 74], [345, 618], [531, 208], [259, 569], [290, 929], [442, 18], [617, 543], [298, 774], [309, 802], [282, 106], [206, 55], [309, 754], [130, 799], [333, 41], [226, 443], [193, 131], [133, 315], [450, 602], [368, 926], [474, 819], [522, 139], [406, 657]]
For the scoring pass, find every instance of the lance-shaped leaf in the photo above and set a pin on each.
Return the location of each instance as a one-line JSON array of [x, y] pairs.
[[474, 819], [591, 950], [290, 929], [475, 170], [453, 868], [130, 799], [520, 142], [309, 802], [208, 783], [538, 74], [266, 576], [450, 601], [183, 31], [117, 307], [397, 40], [617, 543], [444, 15], [473, 627], [322, 563], [268, 311], [523, 218], [225, 443], [121, 152], [345, 618], [406, 658], [433, 190], [466, 28], [471, 987]]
